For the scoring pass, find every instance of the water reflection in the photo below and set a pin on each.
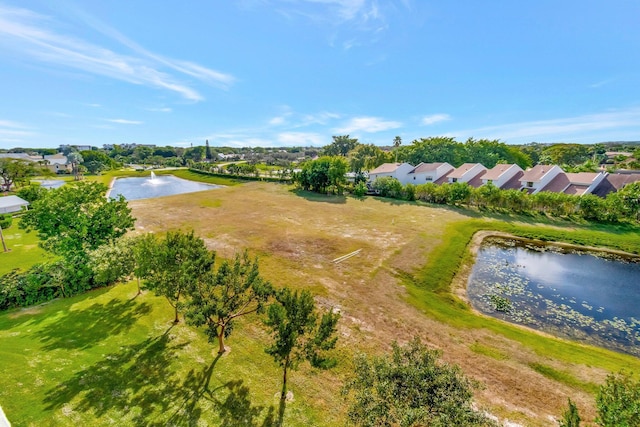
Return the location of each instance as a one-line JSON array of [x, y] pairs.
[[577, 294], [155, 186]]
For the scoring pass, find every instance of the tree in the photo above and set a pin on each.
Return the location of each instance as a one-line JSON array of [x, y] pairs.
[[236, 289], [297, 333], [178, 261], [207, 152], [397, 142], [341, 146], [410, 388], [618, 401], [570, 417], [75, 159], [77, 218], [15, 170], [113, 262], [73, 220]]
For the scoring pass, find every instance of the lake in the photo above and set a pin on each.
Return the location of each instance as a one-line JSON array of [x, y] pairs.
[[159, 186], [586, 296]]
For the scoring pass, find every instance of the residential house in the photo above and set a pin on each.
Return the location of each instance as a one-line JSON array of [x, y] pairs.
[[504, 176], [535, 179], [427, 172], [614, 182], [56, 163], [10, 204], [466, 173], [576, 184], [395, 170]]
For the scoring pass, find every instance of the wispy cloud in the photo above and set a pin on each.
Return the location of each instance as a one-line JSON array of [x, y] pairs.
[[125, 121], [14, 132], [367, 124], [602, 83], [32, 36], [347, 19], [435, 118], [570, 127], [160, 109], [293, 120], [289, 139]]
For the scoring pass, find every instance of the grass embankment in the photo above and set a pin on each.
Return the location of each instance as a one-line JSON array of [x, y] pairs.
[[109, 357], [183, 173], [430, 290], [23, 249]]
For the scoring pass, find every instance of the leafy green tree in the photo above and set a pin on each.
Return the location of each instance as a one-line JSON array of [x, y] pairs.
[[77, 218], [298, 334], [341, 146], [15, 170], [113, 262], [177, 262], [627, 200], [31, 193], [236, 289], [618, 401], [570, 417], [367, 157], [73, 220], [410, 388]]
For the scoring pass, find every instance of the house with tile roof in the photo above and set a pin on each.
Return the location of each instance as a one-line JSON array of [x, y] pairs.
[[575, 184], [614, 182], [466, 172], [428, 172], [394, 170], [536, 178], [504, 176]]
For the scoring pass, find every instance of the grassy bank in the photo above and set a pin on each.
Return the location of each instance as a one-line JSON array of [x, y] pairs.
[[430, 291]]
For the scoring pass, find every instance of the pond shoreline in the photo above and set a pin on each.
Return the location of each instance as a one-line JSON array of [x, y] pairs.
[[461, 279], [566, 317]]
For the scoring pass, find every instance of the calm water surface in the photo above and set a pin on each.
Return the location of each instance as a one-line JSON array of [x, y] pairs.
[[146, 188], [576, 295]]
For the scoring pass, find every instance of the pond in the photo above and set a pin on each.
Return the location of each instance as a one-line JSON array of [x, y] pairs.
[[593, 297], [155, 186]]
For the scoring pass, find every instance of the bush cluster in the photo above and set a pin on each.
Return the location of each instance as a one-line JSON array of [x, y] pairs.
[[616, 207]]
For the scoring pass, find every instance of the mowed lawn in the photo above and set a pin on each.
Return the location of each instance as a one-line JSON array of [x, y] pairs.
[[109, 357], [23, 249]]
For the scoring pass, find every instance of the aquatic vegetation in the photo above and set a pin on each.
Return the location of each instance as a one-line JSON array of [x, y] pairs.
[[512, 282]]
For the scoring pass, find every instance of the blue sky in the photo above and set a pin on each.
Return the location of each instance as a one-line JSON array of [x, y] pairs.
[[296, 72]]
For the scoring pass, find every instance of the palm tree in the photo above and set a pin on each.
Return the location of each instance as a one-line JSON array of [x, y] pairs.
[[397, 142]]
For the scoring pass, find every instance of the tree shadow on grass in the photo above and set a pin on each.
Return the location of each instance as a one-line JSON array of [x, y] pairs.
[[81, 329], [318, 197], [137, 377], [237, 410]]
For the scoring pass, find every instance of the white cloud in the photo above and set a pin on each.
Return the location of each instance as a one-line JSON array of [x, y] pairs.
[[289, 139], [569, 127], [125, 121], [367, 124], [26, 33], [160, 109], [435, 118]]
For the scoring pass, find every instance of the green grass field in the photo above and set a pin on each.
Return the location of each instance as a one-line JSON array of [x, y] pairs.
[[23, 249], [109, 357]]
